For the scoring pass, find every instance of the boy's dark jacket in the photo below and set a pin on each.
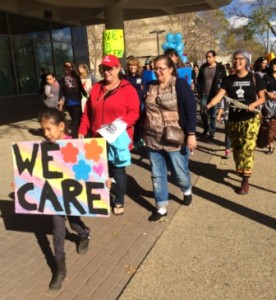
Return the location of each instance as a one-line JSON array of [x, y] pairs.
[[219, 75]]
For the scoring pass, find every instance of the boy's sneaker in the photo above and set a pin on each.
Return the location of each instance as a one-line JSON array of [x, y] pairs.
[[227, 153], [82, 247]]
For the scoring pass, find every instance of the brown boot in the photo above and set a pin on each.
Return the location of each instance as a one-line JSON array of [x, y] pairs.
[[244, 189]]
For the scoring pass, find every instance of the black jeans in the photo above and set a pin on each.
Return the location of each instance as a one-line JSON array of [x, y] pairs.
[[75, 113], [59, 233], [120, 185]]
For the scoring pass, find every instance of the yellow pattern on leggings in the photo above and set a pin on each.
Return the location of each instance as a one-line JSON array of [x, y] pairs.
[[243, 135]]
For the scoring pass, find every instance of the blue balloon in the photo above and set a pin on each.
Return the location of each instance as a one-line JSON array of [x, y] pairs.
[[165, 46], [179, 48], [171, 46], [170, 37], [178, 38]]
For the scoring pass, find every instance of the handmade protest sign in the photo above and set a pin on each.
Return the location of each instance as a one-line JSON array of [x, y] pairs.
[[63, 178], [113, 42]]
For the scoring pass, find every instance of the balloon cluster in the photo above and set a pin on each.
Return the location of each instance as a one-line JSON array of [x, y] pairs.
[[174, 41]]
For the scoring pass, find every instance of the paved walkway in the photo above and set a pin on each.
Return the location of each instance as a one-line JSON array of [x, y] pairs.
[[220, 247]]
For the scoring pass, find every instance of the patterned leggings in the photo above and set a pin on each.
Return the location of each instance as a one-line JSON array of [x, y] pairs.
[[243, 135]]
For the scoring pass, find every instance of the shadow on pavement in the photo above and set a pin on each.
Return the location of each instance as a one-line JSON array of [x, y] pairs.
[[237, 208], [136, 193], [36, 132], [39, 225], [211, 172]]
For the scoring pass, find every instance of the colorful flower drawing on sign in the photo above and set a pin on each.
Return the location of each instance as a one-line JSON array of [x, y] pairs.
[[81, 170], [70, 153], [93, 150]]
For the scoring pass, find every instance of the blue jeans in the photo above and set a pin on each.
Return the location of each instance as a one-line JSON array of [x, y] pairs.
[[204, 115], [178, 163]]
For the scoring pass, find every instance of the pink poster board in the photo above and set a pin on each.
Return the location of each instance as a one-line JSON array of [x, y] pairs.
[[63, 178]]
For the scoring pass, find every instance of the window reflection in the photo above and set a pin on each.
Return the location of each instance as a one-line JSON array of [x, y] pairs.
[[28, 49], [7, 83], [25, 66], [61, 34], [62, 52], [3, 24], [44, 60]]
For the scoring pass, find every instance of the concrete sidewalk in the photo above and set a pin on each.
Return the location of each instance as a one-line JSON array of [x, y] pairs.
[[220, 247], [223, 246]]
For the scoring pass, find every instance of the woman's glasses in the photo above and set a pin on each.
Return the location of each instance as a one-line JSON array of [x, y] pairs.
[[159, 69], [238, 58]]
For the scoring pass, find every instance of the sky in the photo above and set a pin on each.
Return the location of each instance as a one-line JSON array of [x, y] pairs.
[[245, 6]]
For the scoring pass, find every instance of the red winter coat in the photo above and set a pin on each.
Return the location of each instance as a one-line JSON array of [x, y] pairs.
[[122, 102]]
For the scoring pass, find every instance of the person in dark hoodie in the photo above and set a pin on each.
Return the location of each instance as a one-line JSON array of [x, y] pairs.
[[71, 92], [209, 79], [110, 99]]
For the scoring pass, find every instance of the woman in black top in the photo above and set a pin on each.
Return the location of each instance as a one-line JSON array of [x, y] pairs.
[[71, 91], [244, 124]]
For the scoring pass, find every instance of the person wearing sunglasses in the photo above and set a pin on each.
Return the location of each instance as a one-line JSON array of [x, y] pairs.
[[244, 124], [110, 99], [169, 102]]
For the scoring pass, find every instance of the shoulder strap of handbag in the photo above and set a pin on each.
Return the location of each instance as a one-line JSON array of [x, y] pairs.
[[164, 120]]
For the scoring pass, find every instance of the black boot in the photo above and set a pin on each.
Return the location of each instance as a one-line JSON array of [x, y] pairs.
[[58, 276], [83, 244]]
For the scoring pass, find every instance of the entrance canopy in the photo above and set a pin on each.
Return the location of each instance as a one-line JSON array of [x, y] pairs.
[[89, 12]]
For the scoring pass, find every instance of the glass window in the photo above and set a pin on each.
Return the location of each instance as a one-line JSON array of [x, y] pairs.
[[62, 52], [44, 59], [61, 33], [3, 24], [7, 82], [25, 66], [31, 28]]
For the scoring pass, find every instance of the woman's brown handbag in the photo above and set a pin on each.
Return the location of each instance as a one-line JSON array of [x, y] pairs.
[[174, 135]]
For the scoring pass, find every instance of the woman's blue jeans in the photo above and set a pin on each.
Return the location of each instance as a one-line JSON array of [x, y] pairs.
[[178, 163]]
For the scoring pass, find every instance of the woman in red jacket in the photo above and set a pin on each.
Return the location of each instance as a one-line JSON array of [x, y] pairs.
[[110, 99]]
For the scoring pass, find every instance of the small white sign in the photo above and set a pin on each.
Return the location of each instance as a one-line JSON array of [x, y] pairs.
[[112, 130]]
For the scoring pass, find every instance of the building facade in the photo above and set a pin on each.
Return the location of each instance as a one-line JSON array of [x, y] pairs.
[[29, 47]]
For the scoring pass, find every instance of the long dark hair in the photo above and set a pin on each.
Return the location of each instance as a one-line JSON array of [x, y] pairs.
[[74, 71], [168, 62], [258, 64], [271, 64], [53, 114]]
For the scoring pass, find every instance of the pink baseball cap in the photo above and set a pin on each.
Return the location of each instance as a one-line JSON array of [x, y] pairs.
[[110, 61]]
